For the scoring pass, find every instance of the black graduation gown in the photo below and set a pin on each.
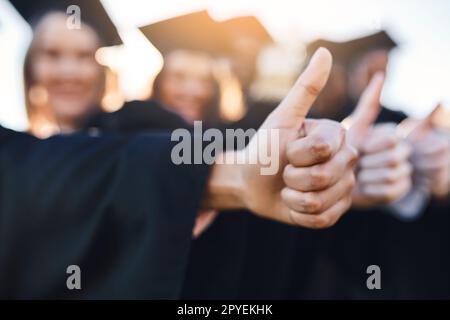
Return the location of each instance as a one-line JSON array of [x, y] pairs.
[[115, 206], [137, 116], [420, 252]]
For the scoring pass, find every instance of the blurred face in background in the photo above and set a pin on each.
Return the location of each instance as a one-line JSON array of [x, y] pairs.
[[365, 68], [186, 84], [62, 64]]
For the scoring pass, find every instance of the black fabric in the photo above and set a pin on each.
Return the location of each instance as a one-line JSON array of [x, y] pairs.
[[217, 259], [115, 206], [137, 116]]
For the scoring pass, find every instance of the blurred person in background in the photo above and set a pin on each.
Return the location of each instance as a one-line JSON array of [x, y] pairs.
[[64, 83], [186, 83], [372, 55], [383, 238], [185, 90]]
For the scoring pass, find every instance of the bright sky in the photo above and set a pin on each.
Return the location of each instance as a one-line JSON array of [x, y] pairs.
[[419, 74]]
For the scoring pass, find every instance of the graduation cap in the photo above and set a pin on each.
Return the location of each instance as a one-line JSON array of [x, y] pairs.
[[248, 26], [195, 31], [379, 40], [348, 51], [92, 13], [337, 49]]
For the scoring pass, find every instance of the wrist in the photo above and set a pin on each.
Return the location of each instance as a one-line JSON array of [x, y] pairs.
[[225, 187]]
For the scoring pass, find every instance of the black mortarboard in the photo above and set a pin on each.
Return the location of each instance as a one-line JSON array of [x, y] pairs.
[[379, 40], [337, 49], [92, 13], [194, 31], [249, 26], [348, 51]]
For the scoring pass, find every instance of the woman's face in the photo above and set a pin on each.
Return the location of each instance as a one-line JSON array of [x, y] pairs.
[[63, 63], [186, 85]]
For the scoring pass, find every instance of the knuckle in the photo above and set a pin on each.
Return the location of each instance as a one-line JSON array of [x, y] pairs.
[[310, 88], [390, 140], [394, 160], [319, 178], [310, 203], [320, 148], [390, 179]]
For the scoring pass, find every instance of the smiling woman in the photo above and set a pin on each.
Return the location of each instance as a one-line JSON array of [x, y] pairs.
[[64, 83]]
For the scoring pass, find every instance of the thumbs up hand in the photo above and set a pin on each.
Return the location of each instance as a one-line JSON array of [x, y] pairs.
[[383, 173], [430, 157], [310, 180]]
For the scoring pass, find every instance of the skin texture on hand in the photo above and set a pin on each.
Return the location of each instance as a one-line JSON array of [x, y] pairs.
[[313, 186]]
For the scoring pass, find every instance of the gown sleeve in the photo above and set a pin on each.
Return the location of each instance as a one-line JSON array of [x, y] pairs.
[[114, 206]]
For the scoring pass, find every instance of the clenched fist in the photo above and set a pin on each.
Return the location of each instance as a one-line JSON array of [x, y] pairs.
[[313, 183], [384, 171]]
